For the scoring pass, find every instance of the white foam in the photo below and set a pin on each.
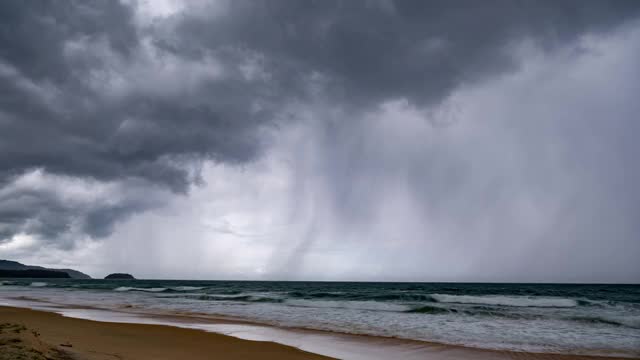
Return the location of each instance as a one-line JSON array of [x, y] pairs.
[[629, 320], [187, 288], [518, 301], [357, 305], [127, 288], [38, 284]]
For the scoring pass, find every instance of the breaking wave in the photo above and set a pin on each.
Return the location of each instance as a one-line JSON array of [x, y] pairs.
[[630, 322], [239, 298], [515, 301], [356, 305], [427, 309], [159, 289], [187, 288], [127, 288]]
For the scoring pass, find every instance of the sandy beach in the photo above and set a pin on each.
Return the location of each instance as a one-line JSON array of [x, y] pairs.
[[30, 334]]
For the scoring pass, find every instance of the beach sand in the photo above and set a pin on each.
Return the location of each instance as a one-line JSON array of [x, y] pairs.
[[37, 335]]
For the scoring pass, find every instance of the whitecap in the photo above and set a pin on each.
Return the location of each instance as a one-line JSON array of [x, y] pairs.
[[187, 288], [358, 305], [127, 288], [38, 284], [517, 301]]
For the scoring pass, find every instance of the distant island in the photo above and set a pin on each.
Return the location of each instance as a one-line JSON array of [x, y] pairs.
[[10, 268], [119, 276]]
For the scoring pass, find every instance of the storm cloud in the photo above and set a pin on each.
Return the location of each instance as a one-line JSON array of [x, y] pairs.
[[111, 109], [365, 52]]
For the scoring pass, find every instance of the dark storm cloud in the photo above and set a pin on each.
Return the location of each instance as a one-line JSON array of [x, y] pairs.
[[370, 51], [52, 101], [55, 213], [86, 92], [56, 115]]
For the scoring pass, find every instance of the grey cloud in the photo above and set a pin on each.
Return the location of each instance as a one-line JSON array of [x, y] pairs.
[[56, 69], [69, 105], [370, 51], [86, 92], [58, 216], [33, 34]]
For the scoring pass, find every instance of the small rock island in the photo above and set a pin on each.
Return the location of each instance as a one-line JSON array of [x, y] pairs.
[[119, 276]]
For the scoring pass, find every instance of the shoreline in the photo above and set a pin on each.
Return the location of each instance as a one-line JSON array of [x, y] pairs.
[[74, 338], [322, 343]]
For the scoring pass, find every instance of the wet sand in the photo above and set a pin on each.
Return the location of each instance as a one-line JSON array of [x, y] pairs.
[[44, 335]]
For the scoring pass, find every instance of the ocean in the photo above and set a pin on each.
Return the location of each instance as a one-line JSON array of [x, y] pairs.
[[546, 318]]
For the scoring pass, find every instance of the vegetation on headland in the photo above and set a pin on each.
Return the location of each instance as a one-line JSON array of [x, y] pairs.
[[33, 274], [14, 265]]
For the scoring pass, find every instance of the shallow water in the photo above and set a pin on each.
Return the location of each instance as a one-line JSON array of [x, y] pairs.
[[572, 319]]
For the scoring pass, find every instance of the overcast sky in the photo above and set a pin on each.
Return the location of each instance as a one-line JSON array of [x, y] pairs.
[[323, 140]]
